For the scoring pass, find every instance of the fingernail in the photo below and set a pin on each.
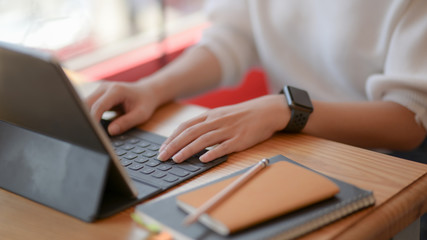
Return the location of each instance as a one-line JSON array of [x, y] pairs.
[[202, 158], [161, 156], [114, 129], [177, 157]]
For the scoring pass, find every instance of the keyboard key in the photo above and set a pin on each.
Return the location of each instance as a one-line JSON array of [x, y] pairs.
[[138, 150], [178, 172], [141, 159], [136, 166], [170, 178], [153, 147], [153, 163], [188, 167], [158, 174], [130, 156], [134, 140], [147, 170], [126, 163], [120, 152], [143, 144], [164, 167], [118, 143], [127, 147], [149, 153]]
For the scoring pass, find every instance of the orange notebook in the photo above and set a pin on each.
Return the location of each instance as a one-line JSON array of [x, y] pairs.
[[279, 189]]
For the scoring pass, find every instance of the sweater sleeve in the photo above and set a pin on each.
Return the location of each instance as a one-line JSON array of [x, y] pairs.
[[404, 79], [229, 38]]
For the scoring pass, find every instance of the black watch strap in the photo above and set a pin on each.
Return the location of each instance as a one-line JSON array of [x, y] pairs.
[[297, 122], [300, 105]]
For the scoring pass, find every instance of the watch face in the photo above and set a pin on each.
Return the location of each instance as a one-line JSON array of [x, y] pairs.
[[299, 97]]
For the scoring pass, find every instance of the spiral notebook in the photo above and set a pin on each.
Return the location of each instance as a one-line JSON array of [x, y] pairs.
[[286, 225]]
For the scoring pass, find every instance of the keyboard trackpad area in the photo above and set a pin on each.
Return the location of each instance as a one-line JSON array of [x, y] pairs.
[[145, 191]]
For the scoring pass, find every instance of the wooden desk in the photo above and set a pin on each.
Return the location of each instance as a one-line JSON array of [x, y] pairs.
[[399, 186]]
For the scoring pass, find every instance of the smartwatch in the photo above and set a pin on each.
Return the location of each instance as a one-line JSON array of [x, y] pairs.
[[300, 104]]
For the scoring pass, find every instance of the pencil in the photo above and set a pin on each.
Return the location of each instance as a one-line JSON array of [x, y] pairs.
[[190, 219]]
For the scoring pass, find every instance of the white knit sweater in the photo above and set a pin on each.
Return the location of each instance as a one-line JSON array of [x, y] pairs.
[[352, 50]]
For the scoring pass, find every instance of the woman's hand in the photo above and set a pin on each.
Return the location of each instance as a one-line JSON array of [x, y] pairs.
[[195, 70], [136, 101], [231, 128]]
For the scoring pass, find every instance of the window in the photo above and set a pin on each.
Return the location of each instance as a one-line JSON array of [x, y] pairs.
[[82, 33]]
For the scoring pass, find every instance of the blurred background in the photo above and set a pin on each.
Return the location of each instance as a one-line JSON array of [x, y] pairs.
[[117, 40], [83, 33]]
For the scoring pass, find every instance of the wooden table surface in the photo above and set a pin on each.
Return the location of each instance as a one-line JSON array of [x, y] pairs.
[[399, 186]]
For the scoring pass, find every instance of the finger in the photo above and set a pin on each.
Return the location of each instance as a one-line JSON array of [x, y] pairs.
[[205, 140], [93, 97], [176, 143], [218, 151], [107, 101], [182, 127], [127, 121]]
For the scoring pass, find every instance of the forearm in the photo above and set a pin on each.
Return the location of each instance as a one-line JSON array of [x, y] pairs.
[[366, 124], [194, 71]]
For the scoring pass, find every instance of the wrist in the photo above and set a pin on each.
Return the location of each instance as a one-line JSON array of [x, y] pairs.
[[158, 88], [285, 112], [275, 109]]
